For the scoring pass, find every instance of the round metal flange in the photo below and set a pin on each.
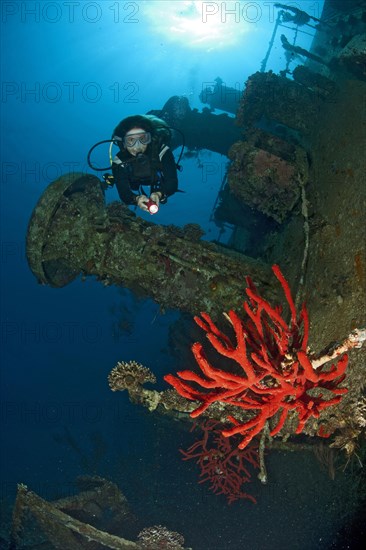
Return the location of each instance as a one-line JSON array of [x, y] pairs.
[[57, 272]]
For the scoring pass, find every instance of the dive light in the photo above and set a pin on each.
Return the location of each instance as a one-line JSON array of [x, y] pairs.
[[152, 206]]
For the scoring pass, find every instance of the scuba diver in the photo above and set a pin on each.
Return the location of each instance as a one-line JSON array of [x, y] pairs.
[[144, 159]]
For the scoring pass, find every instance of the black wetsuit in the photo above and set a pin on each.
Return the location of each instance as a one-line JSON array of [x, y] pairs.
[[130, 173]]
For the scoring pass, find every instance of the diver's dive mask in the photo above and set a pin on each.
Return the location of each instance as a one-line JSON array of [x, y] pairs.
[[132, 139]]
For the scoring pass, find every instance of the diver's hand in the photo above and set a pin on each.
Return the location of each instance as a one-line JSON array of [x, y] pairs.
[[155, 197], [141, 202]]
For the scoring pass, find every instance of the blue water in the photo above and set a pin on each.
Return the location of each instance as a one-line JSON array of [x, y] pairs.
[[70, 73]]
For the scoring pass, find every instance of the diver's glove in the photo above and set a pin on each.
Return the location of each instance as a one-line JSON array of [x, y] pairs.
[[141, 201], [156, 197]]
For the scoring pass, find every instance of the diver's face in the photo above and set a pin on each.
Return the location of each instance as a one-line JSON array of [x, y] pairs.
[[136, 141]]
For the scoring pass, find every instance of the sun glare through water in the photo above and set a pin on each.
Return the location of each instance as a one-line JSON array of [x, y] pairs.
[[201, 25]]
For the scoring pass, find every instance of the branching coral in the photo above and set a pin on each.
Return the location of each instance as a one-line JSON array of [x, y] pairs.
[[225, 467], [276, 373]]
